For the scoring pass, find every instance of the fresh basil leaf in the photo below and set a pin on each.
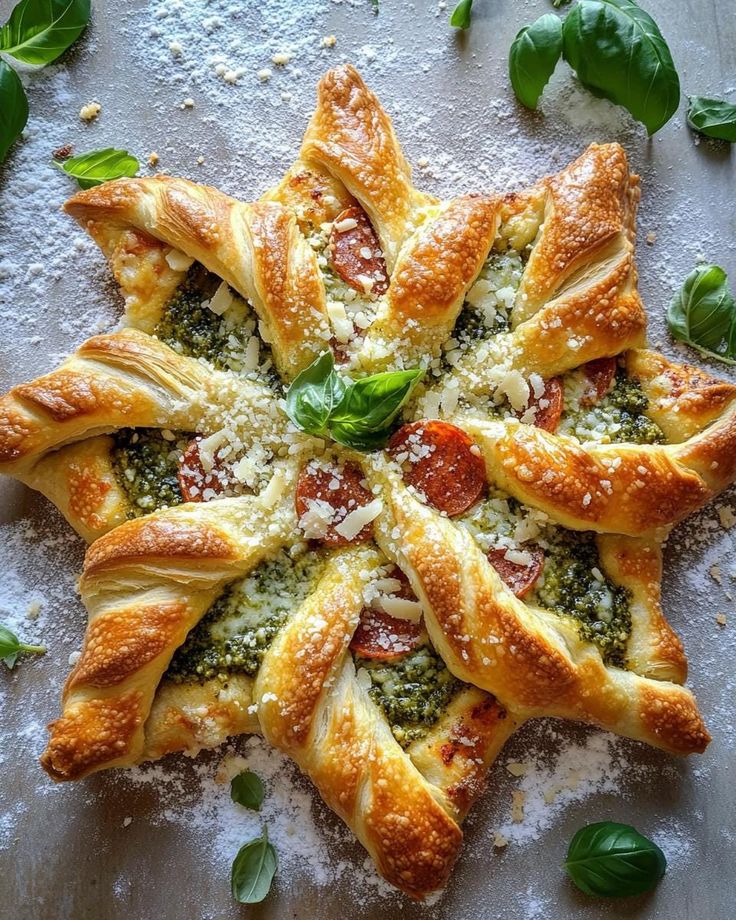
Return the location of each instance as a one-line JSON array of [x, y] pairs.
[[460, 18], [558, 3], [618, 52], [11, 647], [314, 393], [712, 117], [100, 166], [533, 57], [610, 860], [359, 438], [370, 405], [247, 789], [13, 108], [253, 870], [703, 314], [39, 31]]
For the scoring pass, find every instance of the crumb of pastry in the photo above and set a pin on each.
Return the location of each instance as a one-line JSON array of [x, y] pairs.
[[715, 573], [264, 74], [188, 103], [200, 160], [63, 152], [517, 806], [422, 162], [127, 821], [281, 58], [651, 237], [286, 97], [726, 517], [232, 76], [499, 840], [74, 658], [153, 158], [329, 41], [721, 619], [175, 48], [517, 768], [90, 111], [33, 611]]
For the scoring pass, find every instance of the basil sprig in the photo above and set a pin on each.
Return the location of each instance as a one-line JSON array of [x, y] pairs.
[[615, 48], [247, 789], [13, 108], [460, 18], [712, 117], [533, 57], [11, 647], [314, 394], [618, 52], [39, 31], [610, 860], [359, 413], [253, 870], [100, 166], [703, 314]]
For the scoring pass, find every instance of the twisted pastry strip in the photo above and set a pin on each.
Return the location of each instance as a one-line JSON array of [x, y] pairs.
[[635, 489], [126, 379], [577, 300], [257, 249], [429, 283], [146, 584], [351, 137], [533, 661]]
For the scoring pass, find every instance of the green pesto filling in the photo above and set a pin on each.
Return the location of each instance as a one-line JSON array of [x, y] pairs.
[[629, 399], [484, 313], [569, 587], [237, 630], [191, 328], [146, 466], [413, 691], [620, 415]]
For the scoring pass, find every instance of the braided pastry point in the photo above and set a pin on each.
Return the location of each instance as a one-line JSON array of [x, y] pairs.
[[386, 619]]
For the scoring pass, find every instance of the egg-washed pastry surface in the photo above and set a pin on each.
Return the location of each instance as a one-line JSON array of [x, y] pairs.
[[387, 618]]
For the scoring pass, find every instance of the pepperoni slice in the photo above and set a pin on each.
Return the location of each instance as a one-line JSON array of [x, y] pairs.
[[599, 376], [339, 353], [549, 405], [520, 578], [404, 592], [438, 460], [356, 253], [194, 480], [340, 488], [383, 637]]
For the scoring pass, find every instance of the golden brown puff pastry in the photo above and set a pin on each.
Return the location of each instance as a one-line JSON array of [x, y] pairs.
[[536, 661], [147, 582], [513, 303]]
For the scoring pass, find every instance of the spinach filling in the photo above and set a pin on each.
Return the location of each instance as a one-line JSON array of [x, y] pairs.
[[145, 461], [412, 691], [238, 629], [569, 586]]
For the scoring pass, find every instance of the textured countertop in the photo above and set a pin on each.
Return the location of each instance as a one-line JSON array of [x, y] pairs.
[[157, 843]]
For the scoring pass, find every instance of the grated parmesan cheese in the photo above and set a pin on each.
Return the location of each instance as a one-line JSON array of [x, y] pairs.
[[356, 520]]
